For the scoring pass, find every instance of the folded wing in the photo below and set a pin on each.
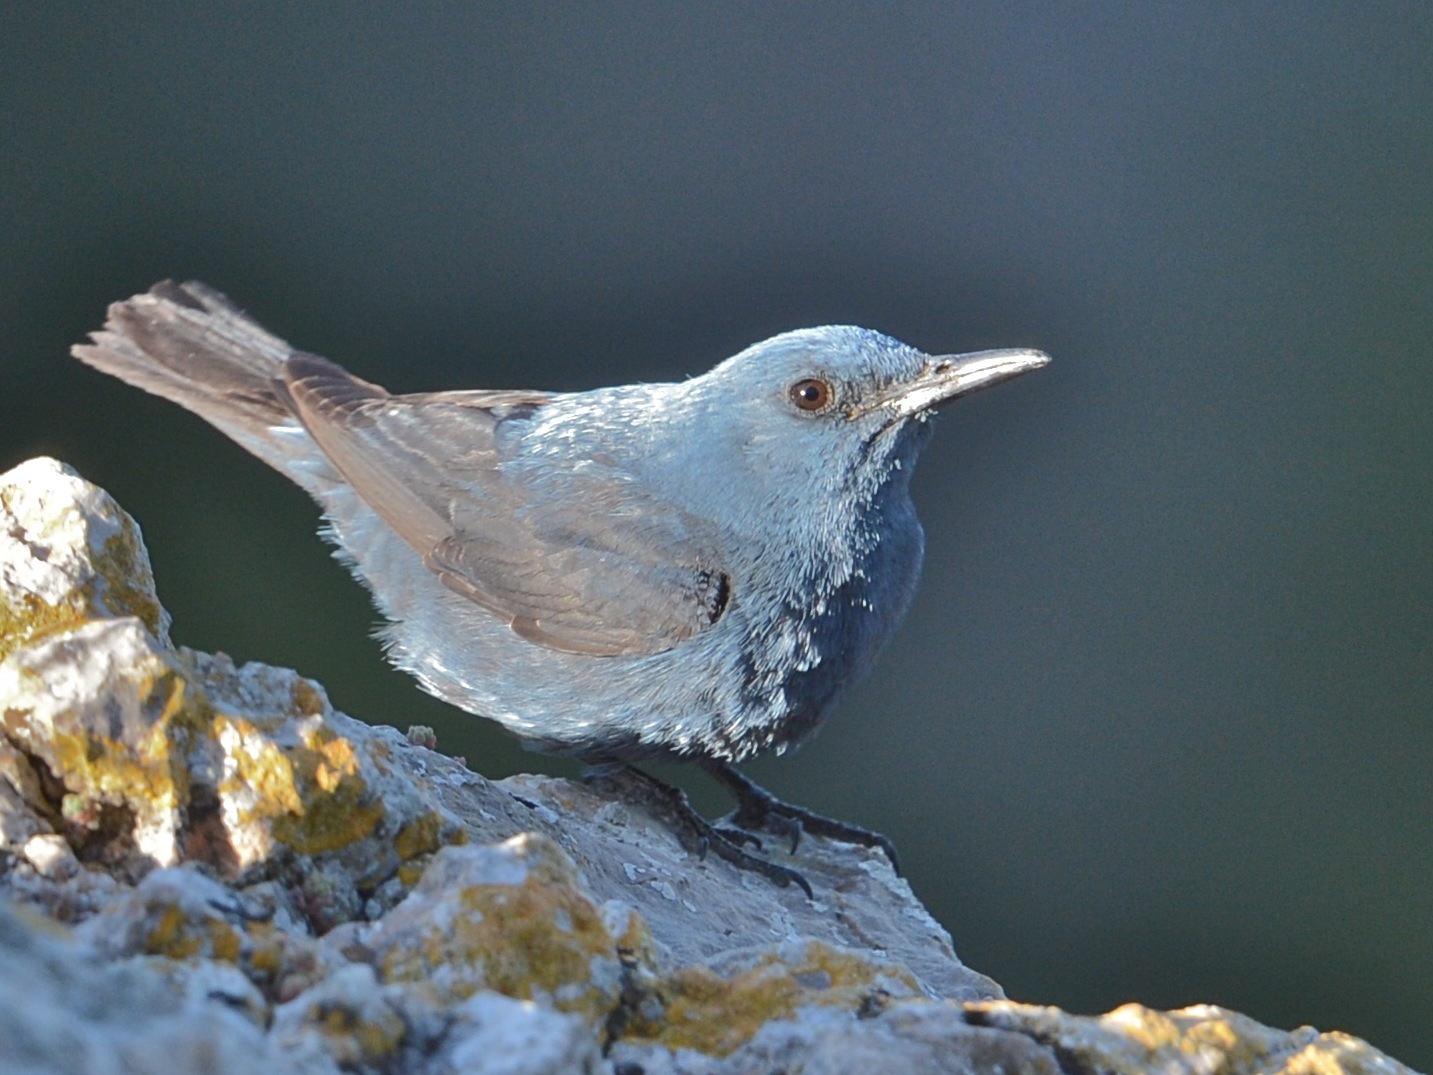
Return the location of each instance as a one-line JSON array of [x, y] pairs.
[[580, 559]]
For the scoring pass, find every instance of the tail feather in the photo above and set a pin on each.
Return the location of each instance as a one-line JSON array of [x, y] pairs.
[[190, 344]]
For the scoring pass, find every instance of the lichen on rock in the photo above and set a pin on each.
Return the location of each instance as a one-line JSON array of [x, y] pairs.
[[203, 866], [1202, 1038], [68, 553], [512, 917], [145, 756]]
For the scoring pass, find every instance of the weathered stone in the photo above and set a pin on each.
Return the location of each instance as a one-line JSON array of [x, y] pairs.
[[143, 756], [495, 1035], [68, 553], [63, 1011], [349, 1018], [513, 918], [259, 883], [175, 913], [718, 1007], [627, 853], [1194, 1040], [913, 1038]]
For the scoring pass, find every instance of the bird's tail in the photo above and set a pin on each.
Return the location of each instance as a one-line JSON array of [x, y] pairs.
[[190, 344]]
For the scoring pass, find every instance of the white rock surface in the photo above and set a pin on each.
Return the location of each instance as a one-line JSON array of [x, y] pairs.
[[204, 867], [63, 1011]]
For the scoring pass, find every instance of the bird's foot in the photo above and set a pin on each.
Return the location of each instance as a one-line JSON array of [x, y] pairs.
[[758, 809], [696, 833]]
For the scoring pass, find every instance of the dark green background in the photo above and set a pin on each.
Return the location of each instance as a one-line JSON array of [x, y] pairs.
[[1158, 727]]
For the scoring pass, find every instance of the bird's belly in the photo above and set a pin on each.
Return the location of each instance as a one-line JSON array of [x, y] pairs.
[[732, 692]]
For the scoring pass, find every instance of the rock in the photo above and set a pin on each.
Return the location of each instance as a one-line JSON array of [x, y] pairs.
[[1195, 1040], [68, 554], [64, 1011], [915, 1038], [204, 866], [501, 1036], [512, 917], [350, 1019]]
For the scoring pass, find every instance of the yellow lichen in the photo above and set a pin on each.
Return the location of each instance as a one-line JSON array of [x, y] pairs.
[[375, 1038], [418, 837], [149, 771], [336, 808], [177, 936], [636, 940], [266, 957], [128, 584], [121, 585], [1337, 1053], [335, 757], [330, 821], [1134, 1038], [1158, 1030], [308, 700], [358, 1039], [27, 618], [225, 942], [529, 940], [539, 954], [169, 938], [416, 842], [313, 797], [261, 771], [716, 1014]]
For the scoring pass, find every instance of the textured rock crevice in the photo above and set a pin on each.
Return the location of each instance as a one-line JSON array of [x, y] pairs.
[[203, 866]]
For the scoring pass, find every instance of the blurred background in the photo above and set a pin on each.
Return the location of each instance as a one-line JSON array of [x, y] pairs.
[[1158, 727]]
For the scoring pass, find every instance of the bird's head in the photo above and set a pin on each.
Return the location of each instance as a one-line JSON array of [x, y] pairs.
[[831, 403]]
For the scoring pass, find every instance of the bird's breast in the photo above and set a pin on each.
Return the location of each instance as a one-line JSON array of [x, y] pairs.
[[829, 633]]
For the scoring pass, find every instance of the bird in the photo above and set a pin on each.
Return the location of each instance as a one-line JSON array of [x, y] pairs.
[[693, 570]]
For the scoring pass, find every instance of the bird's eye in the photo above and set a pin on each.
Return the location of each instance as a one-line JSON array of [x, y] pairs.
[[811, 394]]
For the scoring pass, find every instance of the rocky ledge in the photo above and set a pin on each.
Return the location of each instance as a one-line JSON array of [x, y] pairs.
[[204, 867]]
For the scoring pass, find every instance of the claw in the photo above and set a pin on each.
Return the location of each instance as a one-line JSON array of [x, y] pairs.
[[757, 808], [698, 834], [739, 836]]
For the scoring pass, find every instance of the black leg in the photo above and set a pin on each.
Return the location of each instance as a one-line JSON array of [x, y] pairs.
[[757, 808], [696, 833]]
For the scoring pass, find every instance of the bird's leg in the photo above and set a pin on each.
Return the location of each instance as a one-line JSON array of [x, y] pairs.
[[757, 808], [696, 833]]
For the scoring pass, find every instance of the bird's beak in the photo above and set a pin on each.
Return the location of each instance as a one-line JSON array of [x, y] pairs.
[[947, 376]]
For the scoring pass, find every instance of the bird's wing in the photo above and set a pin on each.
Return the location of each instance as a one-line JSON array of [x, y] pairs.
[[584, 561]]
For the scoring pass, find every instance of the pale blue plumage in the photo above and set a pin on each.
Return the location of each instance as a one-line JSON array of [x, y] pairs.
[[695, 569]]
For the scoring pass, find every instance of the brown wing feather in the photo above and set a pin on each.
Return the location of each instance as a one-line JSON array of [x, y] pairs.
[[588, 564], [189, 343]]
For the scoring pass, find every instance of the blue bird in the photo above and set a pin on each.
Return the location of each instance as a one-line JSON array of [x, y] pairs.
[[694, 570]]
